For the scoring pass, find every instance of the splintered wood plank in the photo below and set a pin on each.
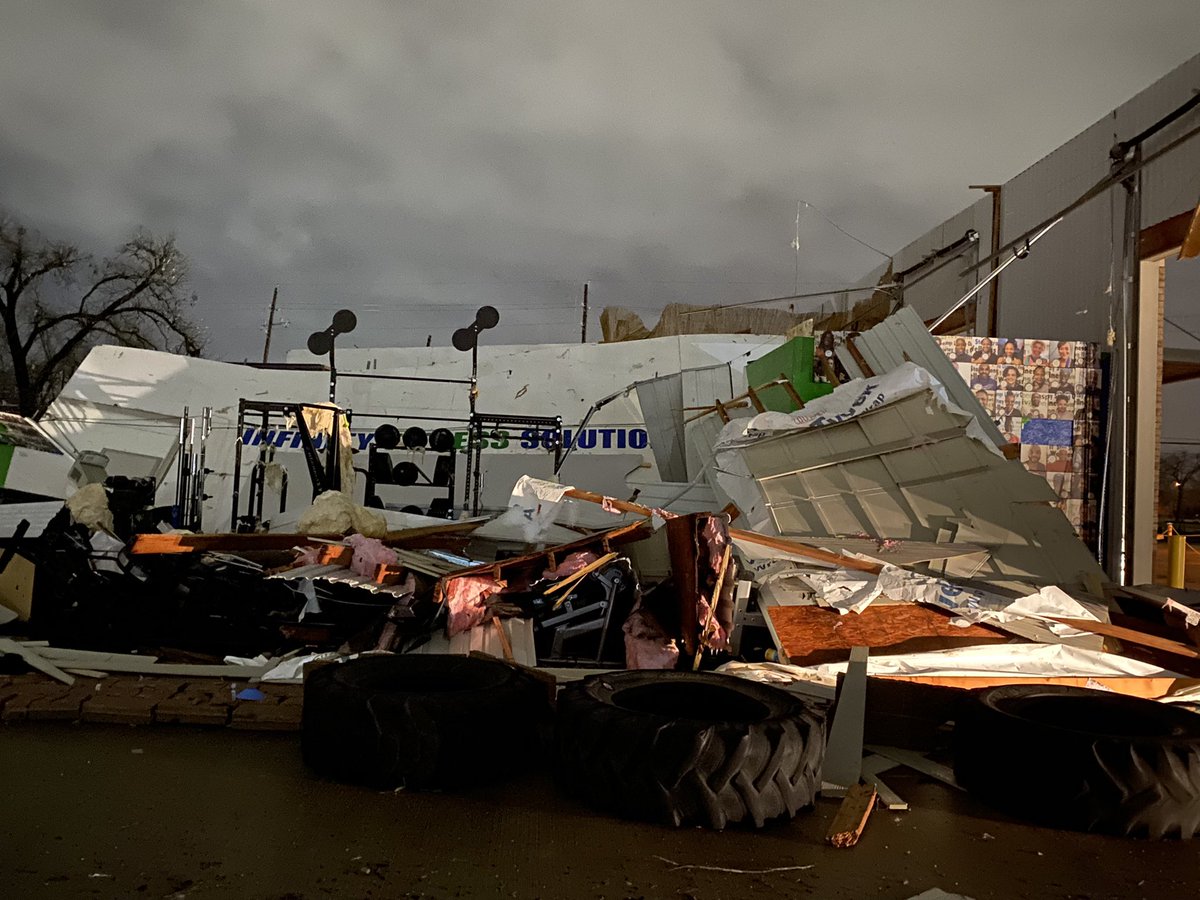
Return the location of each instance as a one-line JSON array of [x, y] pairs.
[[505, 645], [899, 553], [847, 826], [1133, 636], [226, 543], [1149, 687], [811, 635], [531, 565], [790, 545]]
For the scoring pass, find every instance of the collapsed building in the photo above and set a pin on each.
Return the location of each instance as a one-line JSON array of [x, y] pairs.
[[872, 526], [736, 571]]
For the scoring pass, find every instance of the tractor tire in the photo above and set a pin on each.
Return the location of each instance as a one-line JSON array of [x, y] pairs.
[[688, 749], [1081, 759], [422, 721]]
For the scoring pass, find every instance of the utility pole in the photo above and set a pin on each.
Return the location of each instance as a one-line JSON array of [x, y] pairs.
[[270, 324], [583, 328]]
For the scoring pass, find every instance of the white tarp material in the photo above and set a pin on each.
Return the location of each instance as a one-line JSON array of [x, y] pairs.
[[985, 661], [532, 509], [536, 505], [852, 399], [852, 592], [989, 660]]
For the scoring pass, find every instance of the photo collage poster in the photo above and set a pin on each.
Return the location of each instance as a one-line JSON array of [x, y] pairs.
[[1044, 396]]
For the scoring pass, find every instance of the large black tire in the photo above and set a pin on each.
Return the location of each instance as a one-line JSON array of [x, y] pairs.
[[683, 749], [1082, 759], [421, 721]]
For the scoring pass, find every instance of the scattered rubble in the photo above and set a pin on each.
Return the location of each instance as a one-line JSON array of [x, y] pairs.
[[875, 543]]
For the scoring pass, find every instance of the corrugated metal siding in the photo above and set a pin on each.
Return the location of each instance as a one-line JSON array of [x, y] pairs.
[[701, 387], [661, 401], [934, 294], [1061, 288], [665, 401]]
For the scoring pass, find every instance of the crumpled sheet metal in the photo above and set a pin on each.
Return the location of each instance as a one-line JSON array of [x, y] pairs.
[[909, 469], [341, 575]]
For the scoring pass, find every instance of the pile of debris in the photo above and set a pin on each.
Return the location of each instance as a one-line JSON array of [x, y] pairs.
[[877, 548]]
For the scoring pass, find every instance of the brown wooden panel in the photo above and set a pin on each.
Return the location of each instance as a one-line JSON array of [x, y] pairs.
[[811, 635], [1165, 236]]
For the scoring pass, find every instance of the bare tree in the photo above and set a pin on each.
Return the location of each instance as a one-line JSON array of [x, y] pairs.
[[1176, 471], [57, 302]]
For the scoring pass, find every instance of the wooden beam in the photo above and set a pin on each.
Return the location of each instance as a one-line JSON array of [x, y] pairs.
[[1141, 638], [847, 826], [858, 358], [614, 503], [228, 543], [142, 665], [756, 400], [1191, 241], [623, 534], [505, 644], [807, 550], [579, 575], [1163, 237], [791, 391], [233, 543], [718, 585]]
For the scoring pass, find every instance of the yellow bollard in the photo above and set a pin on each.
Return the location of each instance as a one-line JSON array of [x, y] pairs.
[[1176, 548]]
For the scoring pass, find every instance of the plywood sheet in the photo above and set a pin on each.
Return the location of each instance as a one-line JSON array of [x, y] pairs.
[[811, 635]]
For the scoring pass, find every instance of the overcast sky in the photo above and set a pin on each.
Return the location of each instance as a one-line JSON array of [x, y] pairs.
[[412, 161]]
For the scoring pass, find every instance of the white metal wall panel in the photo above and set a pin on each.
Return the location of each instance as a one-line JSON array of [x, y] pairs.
[[702, 386], [934, 293], [665, 403], [907, 470], [661, 401], [902, 337]]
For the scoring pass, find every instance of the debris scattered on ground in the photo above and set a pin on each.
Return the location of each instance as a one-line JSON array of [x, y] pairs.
[[873, 542]]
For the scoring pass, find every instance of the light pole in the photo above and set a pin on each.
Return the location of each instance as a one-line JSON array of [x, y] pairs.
[[465, 339], [321, 342]]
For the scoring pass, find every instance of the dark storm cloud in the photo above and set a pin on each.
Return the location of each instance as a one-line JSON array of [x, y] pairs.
[[414, 160]]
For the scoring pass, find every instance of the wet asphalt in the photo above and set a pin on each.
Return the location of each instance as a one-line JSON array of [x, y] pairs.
[[100, 811]]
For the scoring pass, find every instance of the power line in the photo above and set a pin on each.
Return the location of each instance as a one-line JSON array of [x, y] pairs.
[[1191, 334], [856, 240]]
